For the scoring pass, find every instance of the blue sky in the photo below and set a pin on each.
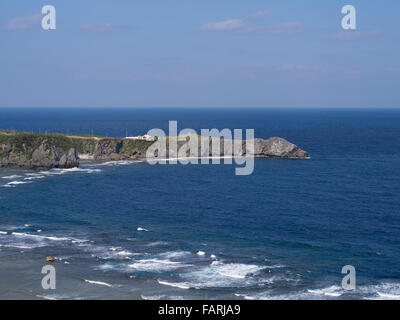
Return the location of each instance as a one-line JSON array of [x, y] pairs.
[[194, 53]]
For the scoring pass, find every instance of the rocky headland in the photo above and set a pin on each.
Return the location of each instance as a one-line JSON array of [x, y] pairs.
[[44, 151]]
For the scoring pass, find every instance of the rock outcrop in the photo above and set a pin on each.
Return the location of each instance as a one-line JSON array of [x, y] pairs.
[[37, 151], [277, 147], [44, 156], [50, 157]]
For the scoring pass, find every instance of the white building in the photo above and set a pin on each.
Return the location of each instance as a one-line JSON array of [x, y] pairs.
[[146, 137]]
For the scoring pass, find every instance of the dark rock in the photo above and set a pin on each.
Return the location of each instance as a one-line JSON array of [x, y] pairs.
[[51, 157], [277, 147]]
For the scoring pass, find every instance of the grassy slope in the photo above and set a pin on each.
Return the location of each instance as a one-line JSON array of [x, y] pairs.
[[28, 142]]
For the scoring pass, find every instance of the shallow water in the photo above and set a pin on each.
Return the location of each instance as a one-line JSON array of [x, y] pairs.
[[129, 230]]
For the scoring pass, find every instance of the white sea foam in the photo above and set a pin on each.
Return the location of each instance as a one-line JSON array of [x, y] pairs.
[[117, 163], [175, 254], [106, 253], [12, 183], [332, 291], [388, 296], [382, 291], [34, 178], [161, 297], [14, 176], [30, 177], [201, 253], [27, 235], [275, 266], [3, 232], [156, 243], [219, 274], [235, 270], [270, 295], [174, 284], [63, 171], [156, 265], [99, 283], [59, 297], [153, 297], [126, 253], [53, 297], [19, 246], [108, 266], [51, 238], [141, 229]]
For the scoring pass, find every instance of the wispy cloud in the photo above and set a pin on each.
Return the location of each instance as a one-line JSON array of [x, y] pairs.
[[101, 27], [299, 68], [248, 25], [23, 23], [294, 67], [231, 24], [354, 35]]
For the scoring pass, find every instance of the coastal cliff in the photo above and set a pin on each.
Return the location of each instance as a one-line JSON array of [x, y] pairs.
[[38, 151]]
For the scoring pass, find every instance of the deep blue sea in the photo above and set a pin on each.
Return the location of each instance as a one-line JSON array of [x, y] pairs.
[[129, 230]]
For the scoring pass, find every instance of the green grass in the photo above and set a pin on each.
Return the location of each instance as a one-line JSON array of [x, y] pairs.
[[27, 143]]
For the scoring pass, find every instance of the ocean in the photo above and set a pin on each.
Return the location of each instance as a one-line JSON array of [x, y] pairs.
[[130, 230]]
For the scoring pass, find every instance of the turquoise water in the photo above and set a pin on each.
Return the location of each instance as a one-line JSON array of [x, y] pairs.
[[129, 230]]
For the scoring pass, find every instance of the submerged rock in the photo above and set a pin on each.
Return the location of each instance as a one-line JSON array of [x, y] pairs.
[[50, 259]]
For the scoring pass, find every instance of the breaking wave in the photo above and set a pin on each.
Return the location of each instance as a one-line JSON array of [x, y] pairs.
[[156, 265], [219, 274], [29, 177], [99, 283]]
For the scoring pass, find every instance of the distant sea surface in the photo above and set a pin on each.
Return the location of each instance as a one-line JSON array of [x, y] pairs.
[[129, 230]]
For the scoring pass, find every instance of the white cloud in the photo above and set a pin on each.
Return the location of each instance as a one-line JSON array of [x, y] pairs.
[[23, 23], [232, 24], [247, 25], [301, 68]]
